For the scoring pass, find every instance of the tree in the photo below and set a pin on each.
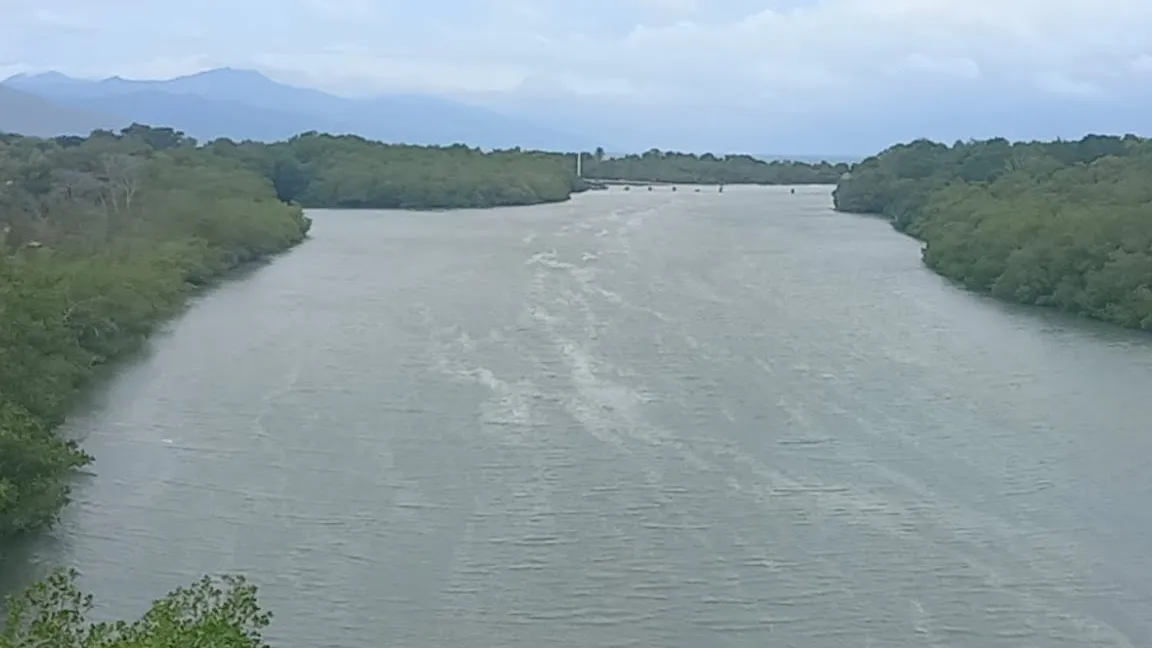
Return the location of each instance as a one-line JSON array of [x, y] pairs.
[[158, 139], [1059, 224], [212, 613], [121, 176], [101, 240], [318, 170], [656, 165]]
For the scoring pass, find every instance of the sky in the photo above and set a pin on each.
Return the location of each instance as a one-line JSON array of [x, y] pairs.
[[764, 76]]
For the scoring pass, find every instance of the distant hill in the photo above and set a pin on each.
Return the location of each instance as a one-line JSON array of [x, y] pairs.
[[28, 114], [244, 104], [205, 119]]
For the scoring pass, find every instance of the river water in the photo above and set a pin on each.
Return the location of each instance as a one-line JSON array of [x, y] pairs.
[[634, 419]]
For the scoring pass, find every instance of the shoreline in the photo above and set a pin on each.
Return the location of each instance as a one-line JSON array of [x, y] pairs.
[[988, 293]]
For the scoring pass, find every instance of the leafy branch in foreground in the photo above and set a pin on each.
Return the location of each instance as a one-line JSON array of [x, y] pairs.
[[213, 613]]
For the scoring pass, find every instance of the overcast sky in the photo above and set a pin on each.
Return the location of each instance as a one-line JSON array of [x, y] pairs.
[[801, 76]]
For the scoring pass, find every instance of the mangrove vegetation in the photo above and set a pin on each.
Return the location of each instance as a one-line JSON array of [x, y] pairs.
[[101, 239], [689, 168], [211, 613], [350, 172], [1060, 224]]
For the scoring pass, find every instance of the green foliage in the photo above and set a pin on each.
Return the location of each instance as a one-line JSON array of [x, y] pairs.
[[32, 461], [1060, 224], [347, 171], [101, 238], [688, 168], [317, 170], [213, 613]]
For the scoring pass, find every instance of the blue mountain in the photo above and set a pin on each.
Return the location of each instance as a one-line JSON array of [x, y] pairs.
[[244, 104], [29, 114]]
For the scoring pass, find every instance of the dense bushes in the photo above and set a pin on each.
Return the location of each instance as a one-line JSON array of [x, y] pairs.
[[1061, 224], [212, 613], [688, 168], [100, 239], [347, 171]]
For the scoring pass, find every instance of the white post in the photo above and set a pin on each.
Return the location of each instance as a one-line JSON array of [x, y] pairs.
[[579, 164]]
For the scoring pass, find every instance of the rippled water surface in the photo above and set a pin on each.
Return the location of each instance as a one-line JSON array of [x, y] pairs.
[[634, 419]]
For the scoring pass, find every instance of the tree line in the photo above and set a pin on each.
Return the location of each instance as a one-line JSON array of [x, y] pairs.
[[100, 239], [348, 171], [1064, 224], [689, 168]]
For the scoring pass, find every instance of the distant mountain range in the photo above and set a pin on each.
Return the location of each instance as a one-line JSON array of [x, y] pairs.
[[29, 114], [244, 104]]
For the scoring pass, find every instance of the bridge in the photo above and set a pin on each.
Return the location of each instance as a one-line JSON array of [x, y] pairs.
[[630, 183], [600, 183]]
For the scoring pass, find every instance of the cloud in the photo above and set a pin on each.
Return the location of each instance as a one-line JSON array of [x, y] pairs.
[[46, 18], [8, 69], [945, 67], [665, 49], [667, 6], [344, 9], [852, 46], [1141, 64], [811, 59], [1062, 84]]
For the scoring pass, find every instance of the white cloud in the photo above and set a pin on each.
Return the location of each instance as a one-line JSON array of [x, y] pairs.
[[348, 65], [656, 50], [849, 45], [1062, 84], [667, 6], [344, 9], [57, 20], [1141, 64], [860, 71], [945, 67], [14, 68]]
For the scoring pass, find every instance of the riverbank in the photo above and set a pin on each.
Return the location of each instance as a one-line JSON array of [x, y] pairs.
[[104, 238], [1066, 225], [410, 429]]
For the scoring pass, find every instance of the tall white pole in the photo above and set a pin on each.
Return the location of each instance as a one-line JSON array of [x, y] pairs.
[[579, 164]]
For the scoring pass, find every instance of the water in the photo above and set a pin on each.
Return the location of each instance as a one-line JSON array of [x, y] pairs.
[[634, 419]]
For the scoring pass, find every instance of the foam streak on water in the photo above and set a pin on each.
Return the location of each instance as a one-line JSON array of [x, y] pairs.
[[647, 419]]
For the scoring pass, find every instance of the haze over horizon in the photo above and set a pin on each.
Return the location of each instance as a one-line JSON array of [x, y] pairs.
[[804, 77]]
